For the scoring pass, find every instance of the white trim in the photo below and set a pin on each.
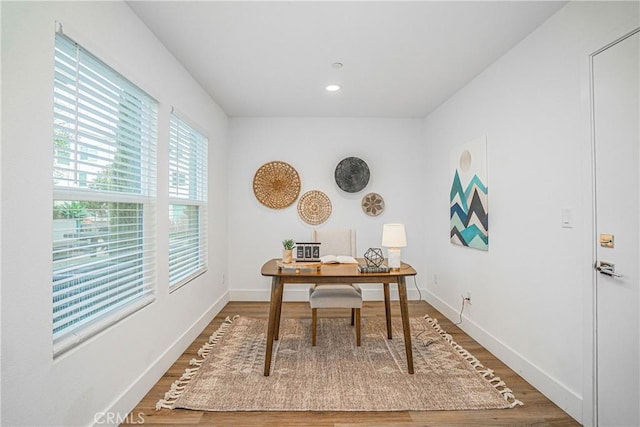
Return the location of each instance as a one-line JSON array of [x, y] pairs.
[[567, 399], [130, 397]]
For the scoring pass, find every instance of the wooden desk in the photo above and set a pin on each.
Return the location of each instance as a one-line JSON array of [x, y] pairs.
[[336, 273]]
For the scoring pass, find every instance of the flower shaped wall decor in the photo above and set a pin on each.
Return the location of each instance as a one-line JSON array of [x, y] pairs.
[[372, 204]]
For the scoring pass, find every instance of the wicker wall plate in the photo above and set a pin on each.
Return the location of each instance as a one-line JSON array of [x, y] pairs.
[[276, 184], [314, 207], [372, 204]]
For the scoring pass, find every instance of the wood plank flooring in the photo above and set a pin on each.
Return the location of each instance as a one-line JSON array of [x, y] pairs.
[[537, 409]]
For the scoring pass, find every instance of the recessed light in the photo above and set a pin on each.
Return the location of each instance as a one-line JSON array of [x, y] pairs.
[[333, 88], [337, 65]]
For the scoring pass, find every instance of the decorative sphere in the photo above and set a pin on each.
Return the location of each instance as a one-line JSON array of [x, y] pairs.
[[374, 257]]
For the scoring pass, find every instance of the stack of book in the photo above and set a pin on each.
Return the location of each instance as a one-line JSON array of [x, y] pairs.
[[363, 268], [299, 267]]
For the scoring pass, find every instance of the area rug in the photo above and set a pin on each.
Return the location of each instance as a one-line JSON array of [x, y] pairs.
[[336, 375]]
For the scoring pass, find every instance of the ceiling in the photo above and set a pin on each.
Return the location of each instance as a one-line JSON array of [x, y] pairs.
[[400, 59]]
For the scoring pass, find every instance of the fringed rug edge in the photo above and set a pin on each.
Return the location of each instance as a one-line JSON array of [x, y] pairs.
[[486, 373], [178, 386]]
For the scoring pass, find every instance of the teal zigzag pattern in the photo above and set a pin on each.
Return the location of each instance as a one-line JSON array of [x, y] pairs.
[[468, 214]]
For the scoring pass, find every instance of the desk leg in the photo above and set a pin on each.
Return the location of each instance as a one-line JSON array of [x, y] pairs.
[[406, 326], [276, 334], [274, 308], [387, 309]]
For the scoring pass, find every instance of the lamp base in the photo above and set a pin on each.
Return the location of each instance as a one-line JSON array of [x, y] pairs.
[[393, 261]]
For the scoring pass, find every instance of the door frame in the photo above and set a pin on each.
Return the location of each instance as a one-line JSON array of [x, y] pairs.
[[590, 367]]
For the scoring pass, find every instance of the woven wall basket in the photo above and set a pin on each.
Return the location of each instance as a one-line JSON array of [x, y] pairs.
[[352, 174], [372, 204], [276, 184], [314, 207]]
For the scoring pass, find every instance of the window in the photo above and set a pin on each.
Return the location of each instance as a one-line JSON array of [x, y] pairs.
[[104, 166], [188, 202]]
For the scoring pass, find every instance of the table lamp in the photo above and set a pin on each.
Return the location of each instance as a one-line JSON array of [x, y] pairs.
[[394, 238]]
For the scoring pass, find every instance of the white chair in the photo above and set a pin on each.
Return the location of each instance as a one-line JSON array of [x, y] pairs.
[[335, 242]]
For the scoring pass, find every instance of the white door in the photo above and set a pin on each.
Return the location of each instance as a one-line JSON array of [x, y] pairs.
[[616, 112]]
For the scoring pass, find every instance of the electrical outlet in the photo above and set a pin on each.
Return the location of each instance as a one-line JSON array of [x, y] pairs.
[[467, 296]]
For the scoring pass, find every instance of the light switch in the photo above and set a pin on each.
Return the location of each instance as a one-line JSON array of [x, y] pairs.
[[567, 218]]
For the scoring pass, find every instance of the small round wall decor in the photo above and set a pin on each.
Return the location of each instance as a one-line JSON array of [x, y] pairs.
[[352, 174], [372, 204], [276, 184], [314, 207]]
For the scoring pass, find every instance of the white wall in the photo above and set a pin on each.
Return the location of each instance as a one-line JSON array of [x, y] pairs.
[[529, 289], [112, 371], [393, 150]]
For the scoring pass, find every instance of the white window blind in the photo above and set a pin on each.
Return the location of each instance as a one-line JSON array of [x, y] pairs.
[[188, 202], [104, 179]]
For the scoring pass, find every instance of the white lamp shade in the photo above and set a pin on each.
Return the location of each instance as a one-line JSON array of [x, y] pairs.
[[394, 236]]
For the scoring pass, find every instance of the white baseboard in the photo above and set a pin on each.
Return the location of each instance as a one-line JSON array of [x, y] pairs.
[[141, 385], [301, 294], [565, 398]]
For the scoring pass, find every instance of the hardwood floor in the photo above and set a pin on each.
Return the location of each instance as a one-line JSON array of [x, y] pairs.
[[537, 409]]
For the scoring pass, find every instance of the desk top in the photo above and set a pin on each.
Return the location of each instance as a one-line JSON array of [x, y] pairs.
[[333, 271]]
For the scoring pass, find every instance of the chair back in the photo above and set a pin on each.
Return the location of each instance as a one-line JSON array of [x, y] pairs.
[[335, 241]]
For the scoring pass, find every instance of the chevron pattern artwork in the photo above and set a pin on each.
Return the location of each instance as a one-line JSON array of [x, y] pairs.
[[468, 213]]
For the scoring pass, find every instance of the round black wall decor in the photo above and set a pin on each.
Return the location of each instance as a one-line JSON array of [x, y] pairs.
[[352, 174]]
